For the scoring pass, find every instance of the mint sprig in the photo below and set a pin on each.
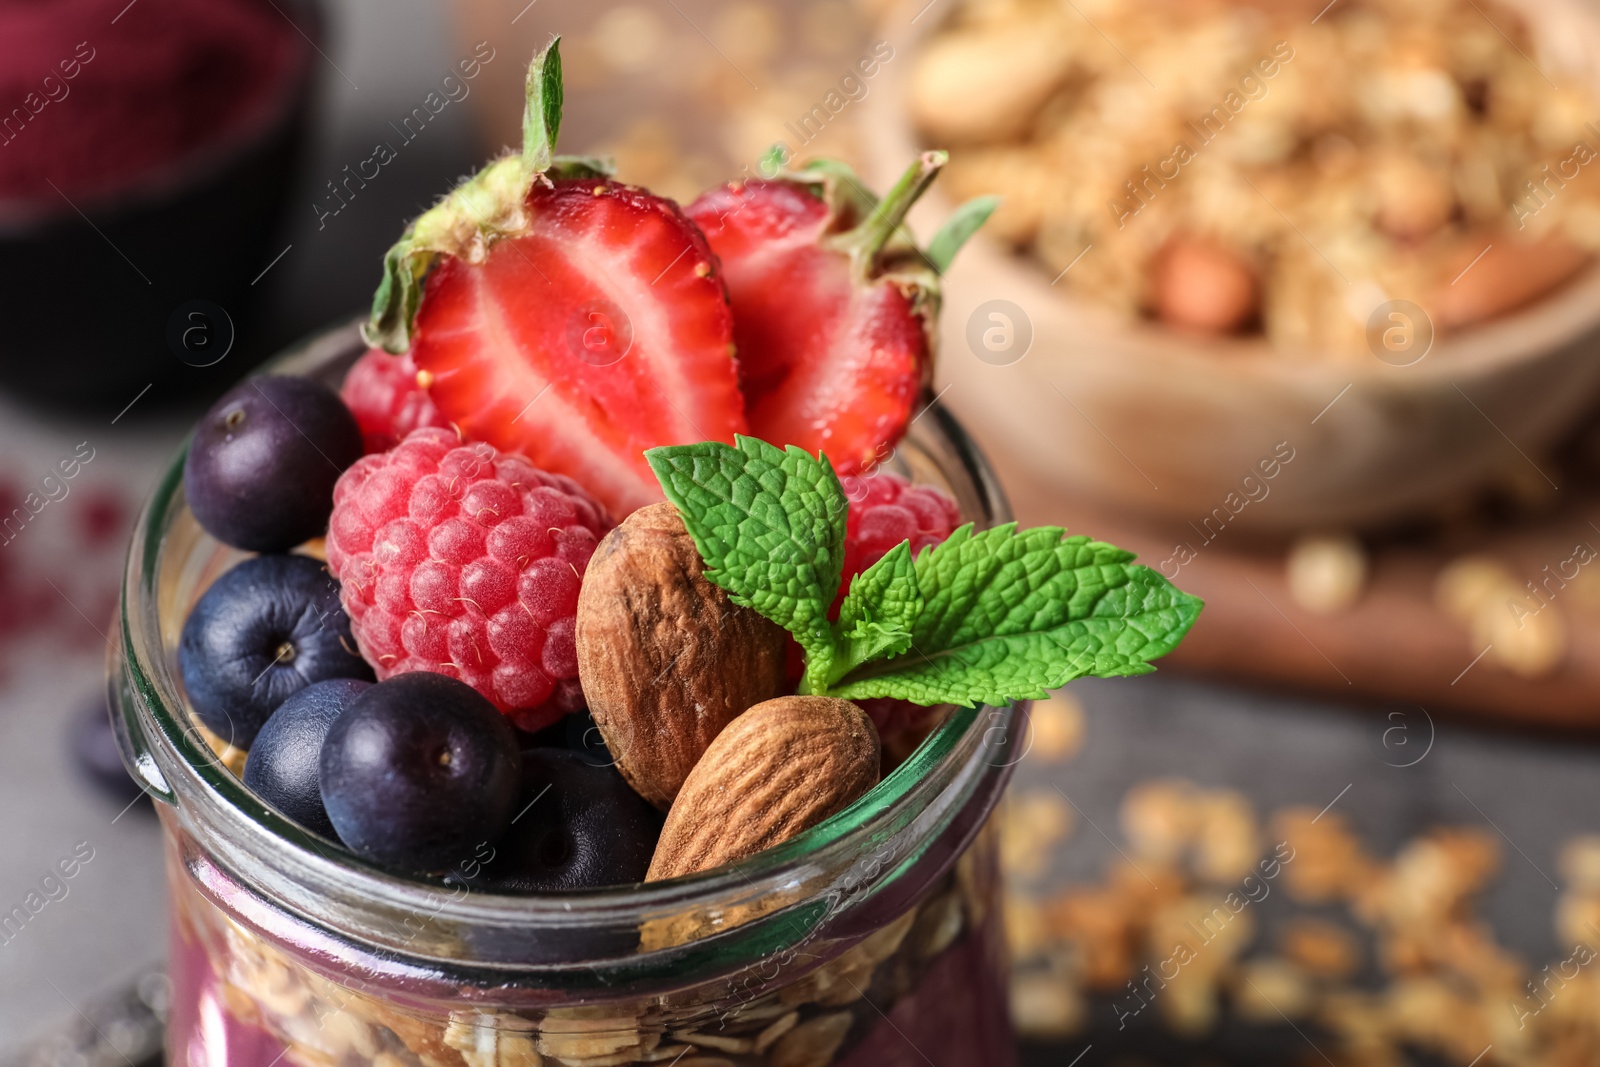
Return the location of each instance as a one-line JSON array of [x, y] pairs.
[[1009, 614], [877, 616], [985, 617], [769, 524]]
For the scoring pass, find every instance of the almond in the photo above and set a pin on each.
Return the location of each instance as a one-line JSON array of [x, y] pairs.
[[665, 658], [780, 768], [1203, 286], [1500, 275], [988, 85]]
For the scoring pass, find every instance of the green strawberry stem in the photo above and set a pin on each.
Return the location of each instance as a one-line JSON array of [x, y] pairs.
[[483, 209], [867, 240]]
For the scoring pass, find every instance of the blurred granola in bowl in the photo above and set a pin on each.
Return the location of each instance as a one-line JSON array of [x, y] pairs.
[[1365, 229], [1237, 169]]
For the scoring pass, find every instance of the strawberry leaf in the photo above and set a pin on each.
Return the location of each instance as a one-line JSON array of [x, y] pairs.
[[565, 167], [541, 114], [876, 617], [1009, 615], [769, 524], [479, 211], [963, 222]]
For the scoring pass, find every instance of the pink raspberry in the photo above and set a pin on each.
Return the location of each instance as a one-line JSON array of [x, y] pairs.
[[462, 560], [885, 509], [897, 719], [383, 394]]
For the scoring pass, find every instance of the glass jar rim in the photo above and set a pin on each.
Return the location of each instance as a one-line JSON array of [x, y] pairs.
[[172, 761]]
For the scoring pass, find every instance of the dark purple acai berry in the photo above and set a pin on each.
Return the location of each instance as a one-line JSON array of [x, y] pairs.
[[94, 748], [576, 732], [418, 771], [577, 826], [283, 763], [261, 467], [266, 629]]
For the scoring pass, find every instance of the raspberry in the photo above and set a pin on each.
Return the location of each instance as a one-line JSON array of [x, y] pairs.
[[462, 560], [885, 509], [898, 719], [383, 394]]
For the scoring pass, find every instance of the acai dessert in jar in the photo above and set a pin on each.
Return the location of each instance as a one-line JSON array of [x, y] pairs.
[[608, 654]]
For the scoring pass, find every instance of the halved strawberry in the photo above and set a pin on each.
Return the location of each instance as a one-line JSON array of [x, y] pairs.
[[568, 317], [834, 306], [600, 331]]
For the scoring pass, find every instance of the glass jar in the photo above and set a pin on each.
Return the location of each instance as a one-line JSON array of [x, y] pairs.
[[873, 938]]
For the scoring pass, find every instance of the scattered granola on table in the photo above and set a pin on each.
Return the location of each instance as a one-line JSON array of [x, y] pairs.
[[1411, 966]]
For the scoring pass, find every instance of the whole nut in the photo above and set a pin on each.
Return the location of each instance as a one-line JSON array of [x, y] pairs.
[[988, 85], [1493, 274], [778, 769], [1326, 572], [1204, 287], [1414, 199], [666, 660]]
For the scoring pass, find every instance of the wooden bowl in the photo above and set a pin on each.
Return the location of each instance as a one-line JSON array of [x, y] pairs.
[[1155, 423]]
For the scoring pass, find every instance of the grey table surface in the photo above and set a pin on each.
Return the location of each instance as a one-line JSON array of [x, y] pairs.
[[1279, 749]]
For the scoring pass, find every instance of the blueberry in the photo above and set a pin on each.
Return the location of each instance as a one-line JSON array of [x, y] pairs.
[[282, 766], [261, 467], [576, 732], [419, 771], [583, 737], [269, 627], [577, 826]]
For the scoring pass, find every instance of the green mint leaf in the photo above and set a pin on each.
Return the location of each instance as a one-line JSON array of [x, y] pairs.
[[1008, 615], [878, 613], [769, 524]]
